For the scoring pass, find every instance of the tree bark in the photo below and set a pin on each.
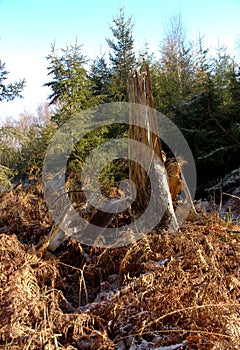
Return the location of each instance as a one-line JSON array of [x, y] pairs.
[[144, 129]]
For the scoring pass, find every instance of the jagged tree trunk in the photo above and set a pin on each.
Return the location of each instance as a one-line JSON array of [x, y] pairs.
[[144, 129], [137, 95]]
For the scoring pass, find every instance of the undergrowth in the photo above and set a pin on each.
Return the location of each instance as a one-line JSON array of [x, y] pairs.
[[163, 290]]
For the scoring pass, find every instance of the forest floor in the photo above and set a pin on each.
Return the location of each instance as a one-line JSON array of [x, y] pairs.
[[165, 291]]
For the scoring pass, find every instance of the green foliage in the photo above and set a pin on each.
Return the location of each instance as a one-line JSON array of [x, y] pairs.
[[122, 55], [11, 90], [33, 149], [71, 87], [10, 145], [5, 178], [100, 76], [5, 172], [173, 72], [9, 152], [75, 90], [22, 148], [200, 93], [209, 117], [110, 173]]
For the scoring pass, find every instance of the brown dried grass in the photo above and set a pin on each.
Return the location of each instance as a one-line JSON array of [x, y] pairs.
[[162, 290]]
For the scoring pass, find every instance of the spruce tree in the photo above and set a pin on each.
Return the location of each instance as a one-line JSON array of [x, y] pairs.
[[209, 118], [71, 86], [122, 55], [100, 76], [10, 91], [172, 74]]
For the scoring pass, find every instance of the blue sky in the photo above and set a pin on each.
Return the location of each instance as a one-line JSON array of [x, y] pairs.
[[29, 27]]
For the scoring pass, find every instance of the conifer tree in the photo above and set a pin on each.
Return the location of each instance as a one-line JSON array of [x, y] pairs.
[[101, 78], [10, 91], [122, 55], [172, 74], [209, 118], [70, 85]]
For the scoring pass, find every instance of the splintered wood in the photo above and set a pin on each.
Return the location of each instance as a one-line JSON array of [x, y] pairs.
[[144, 129]]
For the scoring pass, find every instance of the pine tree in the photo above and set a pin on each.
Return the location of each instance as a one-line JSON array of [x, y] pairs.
[[100, 76], [70, 85], [210, 116], [10, 91], [122, 55], [172, 74]]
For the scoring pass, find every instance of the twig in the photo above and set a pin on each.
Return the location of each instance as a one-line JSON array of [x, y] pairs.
[[231, 195]]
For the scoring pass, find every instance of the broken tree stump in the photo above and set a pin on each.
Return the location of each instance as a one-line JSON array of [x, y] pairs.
[[166, 180], [144, 129]]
